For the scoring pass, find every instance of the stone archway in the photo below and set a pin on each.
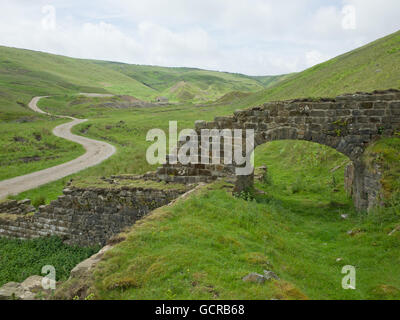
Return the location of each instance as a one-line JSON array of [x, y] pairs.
[[348, 124]]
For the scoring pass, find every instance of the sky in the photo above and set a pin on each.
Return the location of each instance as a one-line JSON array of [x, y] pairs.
[[254, 37]]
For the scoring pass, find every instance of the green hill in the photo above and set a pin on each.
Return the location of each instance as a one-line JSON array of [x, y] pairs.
[[372, 67], [190, 84], [25, 73]]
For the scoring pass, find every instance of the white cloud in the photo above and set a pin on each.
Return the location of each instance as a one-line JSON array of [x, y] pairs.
[[255, 37], [315, 57]]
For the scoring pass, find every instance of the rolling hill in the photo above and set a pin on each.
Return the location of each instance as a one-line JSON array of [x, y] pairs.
[[375, 66], [25, 73]]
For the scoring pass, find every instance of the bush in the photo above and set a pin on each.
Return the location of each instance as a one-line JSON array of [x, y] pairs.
[[21, 259], [39, 201], [266, 179]]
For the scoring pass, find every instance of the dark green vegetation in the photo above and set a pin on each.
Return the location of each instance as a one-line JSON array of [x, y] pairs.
[[202, 247], [22, 259]]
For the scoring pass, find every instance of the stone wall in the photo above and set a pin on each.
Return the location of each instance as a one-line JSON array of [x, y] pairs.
[[16, 207], [365, 186], [87, 216], [348, 123]]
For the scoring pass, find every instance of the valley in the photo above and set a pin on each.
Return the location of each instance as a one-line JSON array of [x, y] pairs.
[[299, 221]]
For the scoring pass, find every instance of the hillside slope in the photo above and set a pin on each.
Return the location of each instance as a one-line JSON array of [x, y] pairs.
[[25, 73], [371, 67], [190, 84]]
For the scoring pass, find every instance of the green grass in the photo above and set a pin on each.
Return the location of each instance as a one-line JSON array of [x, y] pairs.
[[189, 84], [25, 73], [20, 259], [54, 75], [31, 146], [371, 67], [202, 247], [126, 129]]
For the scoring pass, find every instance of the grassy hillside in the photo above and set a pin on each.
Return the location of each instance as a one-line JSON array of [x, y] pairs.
[[347, 73], [188, 84], [25, 73], [202, 247], [372, 67]]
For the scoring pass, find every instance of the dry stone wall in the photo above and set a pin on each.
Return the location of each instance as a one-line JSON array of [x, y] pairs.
[[87, 216]]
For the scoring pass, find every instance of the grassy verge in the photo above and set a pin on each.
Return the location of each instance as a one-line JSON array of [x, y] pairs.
[[31, 146]]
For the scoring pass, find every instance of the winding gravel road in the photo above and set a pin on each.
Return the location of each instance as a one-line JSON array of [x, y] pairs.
[[96, 152]]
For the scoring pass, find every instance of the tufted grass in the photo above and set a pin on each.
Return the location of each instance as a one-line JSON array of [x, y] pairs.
[[201, 248]]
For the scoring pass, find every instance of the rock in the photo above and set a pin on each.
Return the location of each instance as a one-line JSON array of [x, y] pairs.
[[269, 275], [394, 231], [85, 266], [33, 283], [26, 290], [258, 278], [25, 202], [353, 233], [261, 192], [254, 277], [11, 291]]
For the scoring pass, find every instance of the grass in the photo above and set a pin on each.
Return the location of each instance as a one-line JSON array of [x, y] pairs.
[[25, 73], [202, 247], [350, 72], [31, 146], [371, 67], [20, 259], [126, 129]]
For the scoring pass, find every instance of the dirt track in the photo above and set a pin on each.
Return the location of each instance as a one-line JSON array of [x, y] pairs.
[[96, 152]]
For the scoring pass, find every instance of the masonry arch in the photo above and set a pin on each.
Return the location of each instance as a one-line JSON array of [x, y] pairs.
[[347, 123]]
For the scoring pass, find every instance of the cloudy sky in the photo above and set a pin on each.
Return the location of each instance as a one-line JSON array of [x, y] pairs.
[[255, 37]]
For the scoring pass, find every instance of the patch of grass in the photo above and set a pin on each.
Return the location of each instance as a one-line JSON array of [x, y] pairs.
[[31, 146], [20, 259], [202, 247]]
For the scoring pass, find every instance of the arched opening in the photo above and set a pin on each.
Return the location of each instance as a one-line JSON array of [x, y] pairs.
[[302, 174]]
